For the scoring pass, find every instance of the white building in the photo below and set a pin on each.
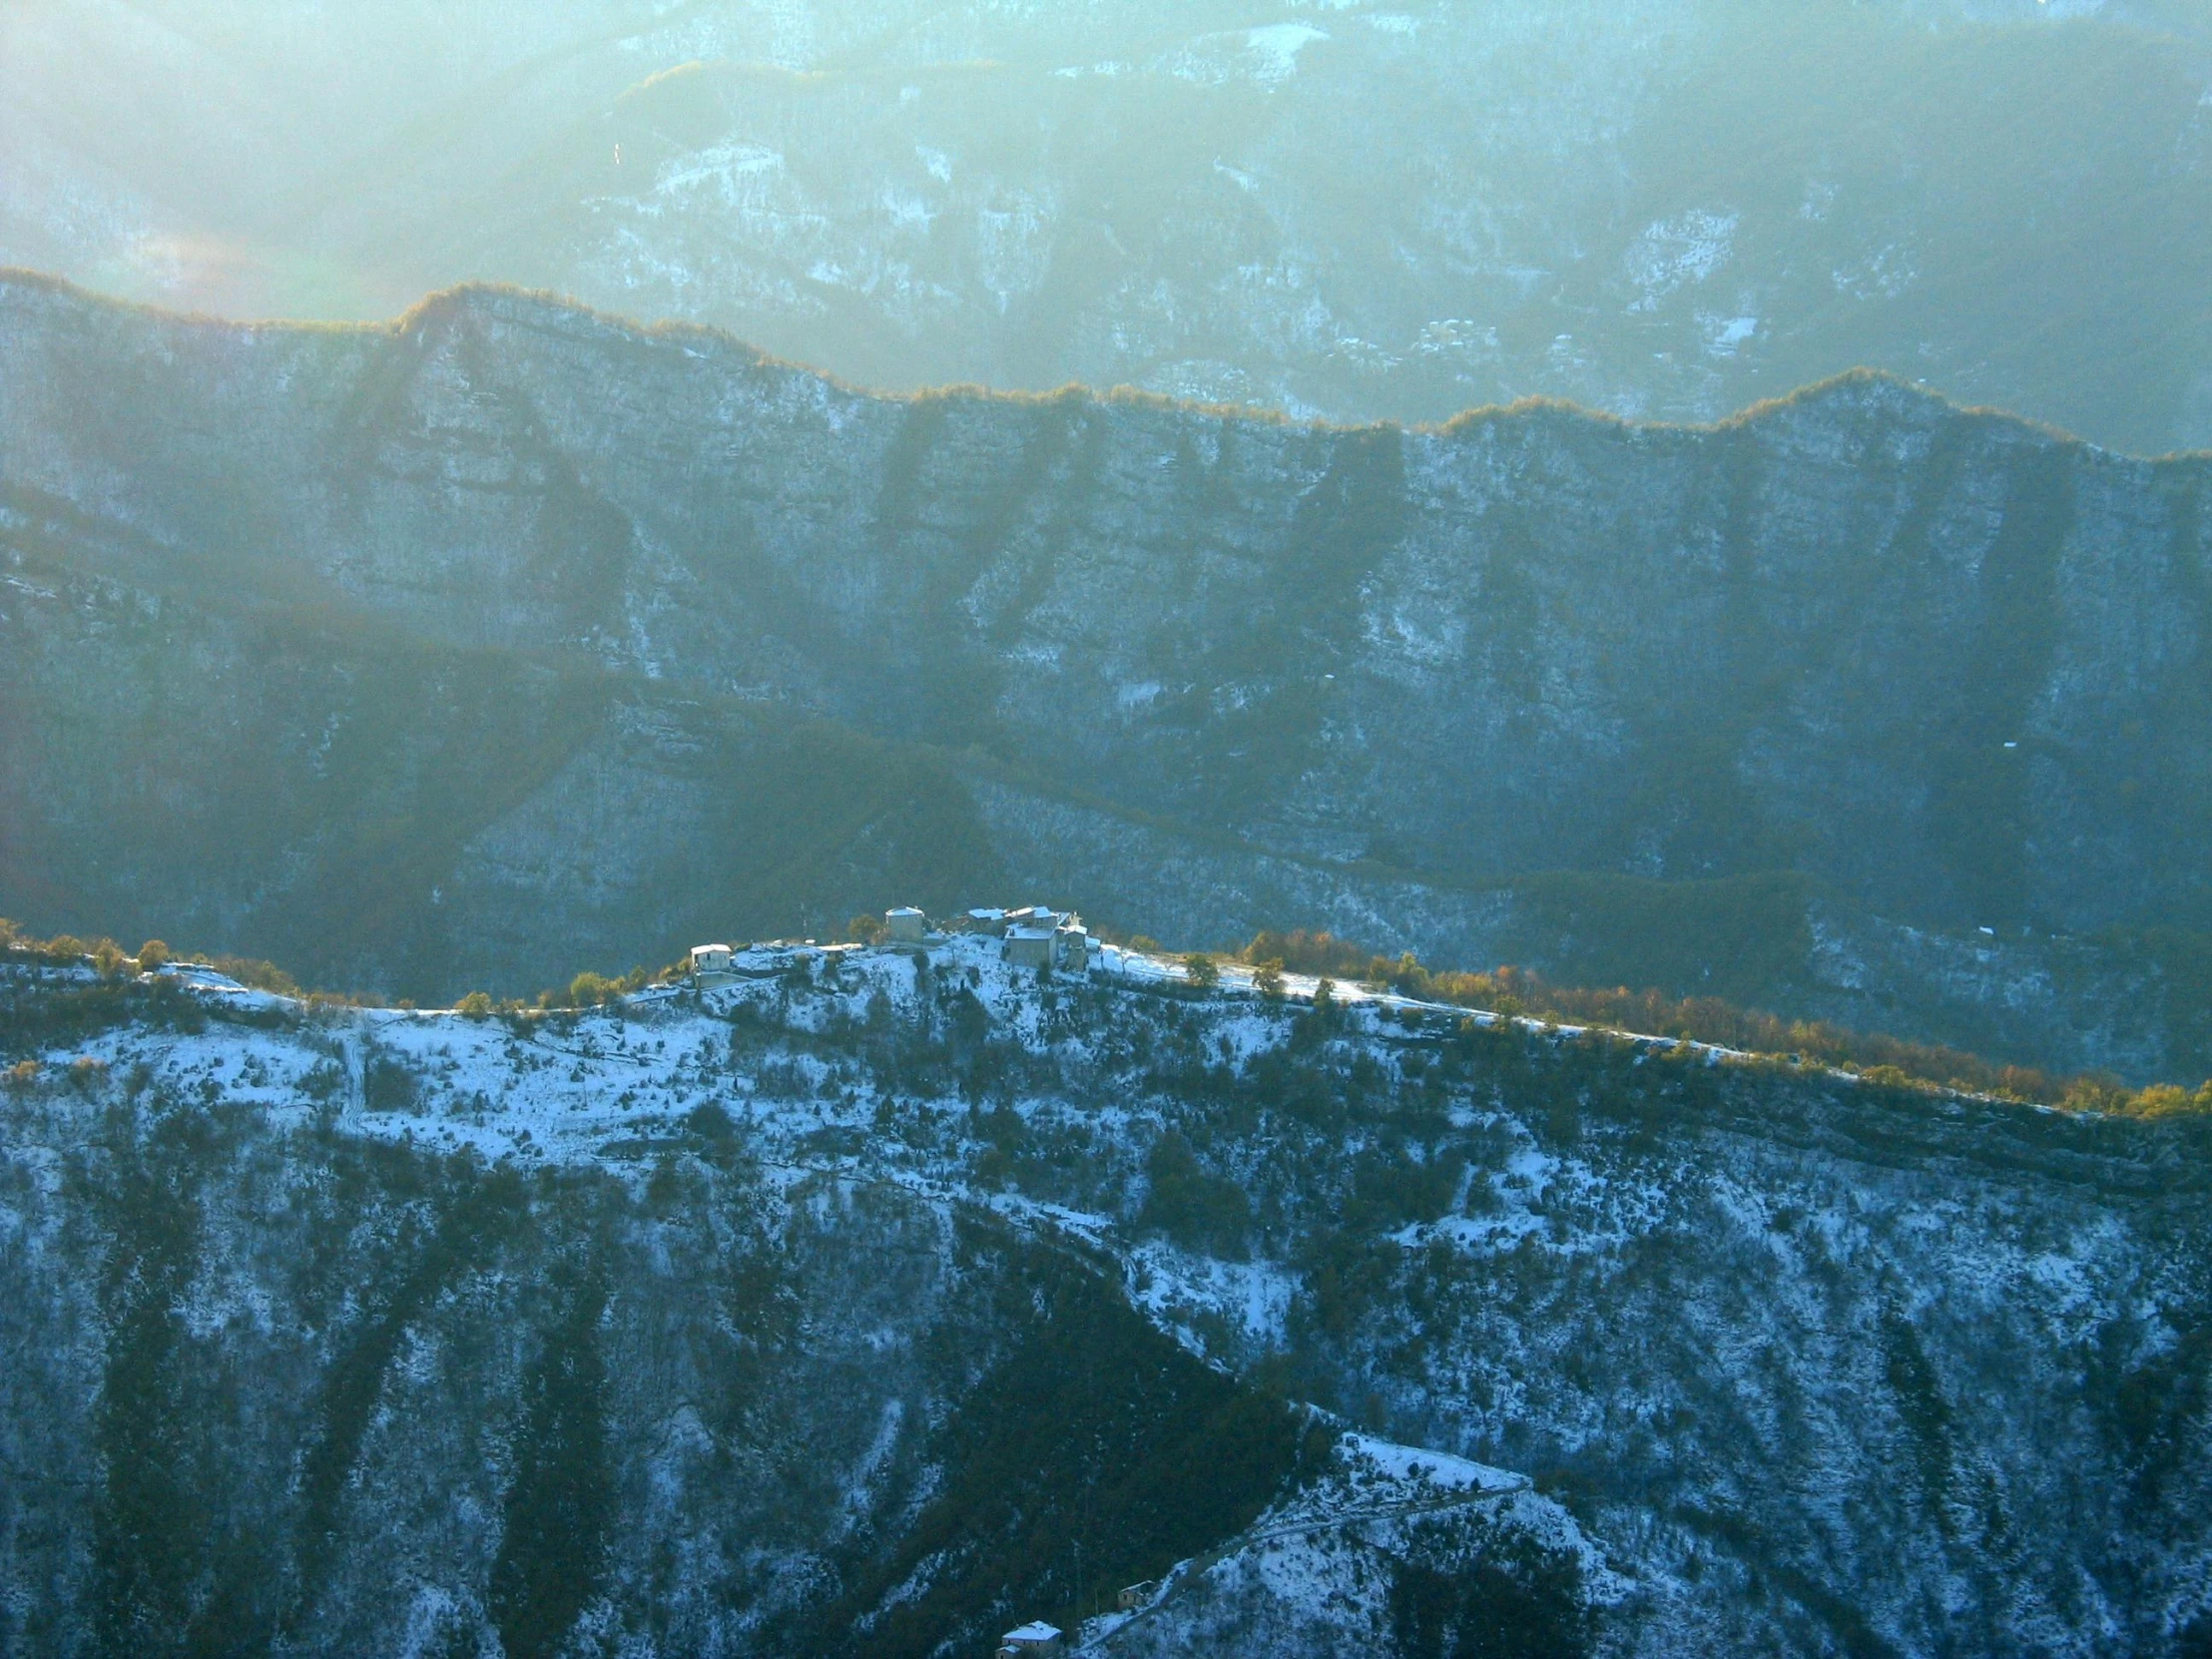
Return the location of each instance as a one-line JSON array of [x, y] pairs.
[[906, 925], [1034, 1640], [710, 958]]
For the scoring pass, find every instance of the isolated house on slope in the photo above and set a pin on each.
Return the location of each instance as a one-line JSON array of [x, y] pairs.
[[1035, 1640], [906, 925], [710, 958]]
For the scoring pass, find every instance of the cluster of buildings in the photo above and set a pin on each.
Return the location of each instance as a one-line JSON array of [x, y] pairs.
[[1035, 937], [1032, 937]]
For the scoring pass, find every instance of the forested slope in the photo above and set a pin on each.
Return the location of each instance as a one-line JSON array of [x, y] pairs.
[[280, 595]]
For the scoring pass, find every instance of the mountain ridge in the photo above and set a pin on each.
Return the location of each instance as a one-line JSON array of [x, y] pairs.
[[432, 307], [1946, 665], [1673, 210]]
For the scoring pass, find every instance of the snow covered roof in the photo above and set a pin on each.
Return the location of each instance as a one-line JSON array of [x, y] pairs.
[[701, 950], [1029, 932], [904, 911], [1036, 1630]]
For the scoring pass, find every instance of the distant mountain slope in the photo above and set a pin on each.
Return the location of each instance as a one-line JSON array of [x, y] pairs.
[[1363, 209], [1201, 670]]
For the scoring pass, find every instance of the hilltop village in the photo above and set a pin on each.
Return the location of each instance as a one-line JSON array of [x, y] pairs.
[[1034, 936]]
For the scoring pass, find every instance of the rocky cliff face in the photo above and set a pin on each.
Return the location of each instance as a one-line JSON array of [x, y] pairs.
[[1947, 667], [871, 1307]]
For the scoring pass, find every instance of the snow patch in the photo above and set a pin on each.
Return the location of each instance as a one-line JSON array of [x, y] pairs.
[[1438, 1468], [733, 171], [1138, 693], [1277, 45], [1676, 251], [1724, 334], [1266, 56]]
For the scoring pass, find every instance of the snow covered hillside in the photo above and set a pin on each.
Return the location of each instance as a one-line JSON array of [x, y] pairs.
[[875, 1301]]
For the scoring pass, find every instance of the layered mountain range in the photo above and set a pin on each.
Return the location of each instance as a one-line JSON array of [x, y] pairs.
[[875, 1299], [1355, 208], [511, 639]]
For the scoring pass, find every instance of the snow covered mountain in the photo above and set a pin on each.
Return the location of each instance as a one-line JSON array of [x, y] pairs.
[[877, 1300], [1665, 208]]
